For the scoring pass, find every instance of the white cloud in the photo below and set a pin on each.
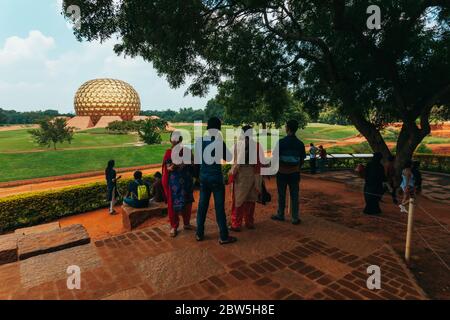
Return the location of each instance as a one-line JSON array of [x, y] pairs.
[[33, 77], [34, 47]]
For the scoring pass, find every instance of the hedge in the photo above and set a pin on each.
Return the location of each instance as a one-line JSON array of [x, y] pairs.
[[34, 208], [433, 162]]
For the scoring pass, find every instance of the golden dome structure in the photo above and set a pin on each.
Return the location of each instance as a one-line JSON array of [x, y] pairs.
[[107, 97]]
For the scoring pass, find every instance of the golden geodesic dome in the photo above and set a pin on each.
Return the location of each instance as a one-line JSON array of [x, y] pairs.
[[107, 97]]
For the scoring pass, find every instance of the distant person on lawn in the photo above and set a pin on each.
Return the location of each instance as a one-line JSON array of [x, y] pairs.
[[373, 187], [323, 158], [178, 183], [111, 184], [157, 190], [246, 180], [312, 158], [212, 180], [292, 155], [138, 195]]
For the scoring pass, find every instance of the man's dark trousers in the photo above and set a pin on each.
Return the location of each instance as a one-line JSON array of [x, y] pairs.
[[291, 180], [215, 186]]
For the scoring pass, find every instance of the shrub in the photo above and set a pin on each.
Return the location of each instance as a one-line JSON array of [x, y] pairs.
[[33, 208], [433, 162], [423, 149]]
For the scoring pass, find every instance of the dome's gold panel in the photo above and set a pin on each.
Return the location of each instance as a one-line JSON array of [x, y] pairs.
[[107, 97]]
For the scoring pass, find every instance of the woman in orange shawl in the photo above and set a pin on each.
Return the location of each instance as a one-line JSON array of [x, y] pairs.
[[246, 180]]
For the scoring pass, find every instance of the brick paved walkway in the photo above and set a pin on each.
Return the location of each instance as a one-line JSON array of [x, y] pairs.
[[316, 260]]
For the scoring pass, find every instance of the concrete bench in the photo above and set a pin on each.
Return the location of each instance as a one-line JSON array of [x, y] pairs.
[[58, 239], [133, 217]]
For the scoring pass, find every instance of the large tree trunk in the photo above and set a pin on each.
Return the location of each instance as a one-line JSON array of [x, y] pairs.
[[371, 133], [409, 138]]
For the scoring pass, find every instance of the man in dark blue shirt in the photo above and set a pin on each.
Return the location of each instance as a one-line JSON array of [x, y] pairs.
[[291, 155], [210, 151]]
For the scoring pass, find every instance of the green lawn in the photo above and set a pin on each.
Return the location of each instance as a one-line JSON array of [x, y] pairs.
[[17, 164], [20, 140], [20, 166]]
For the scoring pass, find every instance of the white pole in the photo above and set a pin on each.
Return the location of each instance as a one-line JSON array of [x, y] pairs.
[[409, 230]]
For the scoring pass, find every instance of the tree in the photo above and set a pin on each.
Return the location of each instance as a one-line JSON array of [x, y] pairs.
[[323, 49], [150, 132], [215, 109], [51, 132], [3, 117], [331, 115]]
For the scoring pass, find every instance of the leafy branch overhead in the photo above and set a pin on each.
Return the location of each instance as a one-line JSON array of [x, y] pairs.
[[322, 50]]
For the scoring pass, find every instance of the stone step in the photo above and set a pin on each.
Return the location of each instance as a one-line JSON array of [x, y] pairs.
[[133, 217], [59, 239], [8, 248], [38, 229]]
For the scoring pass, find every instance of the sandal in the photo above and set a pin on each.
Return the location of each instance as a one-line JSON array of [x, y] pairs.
[[228, 240], [173, 233]]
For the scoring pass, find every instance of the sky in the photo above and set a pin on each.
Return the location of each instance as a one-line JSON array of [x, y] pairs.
[[42, 64]]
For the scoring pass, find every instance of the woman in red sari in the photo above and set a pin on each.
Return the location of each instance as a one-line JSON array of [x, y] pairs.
[[177, 180]]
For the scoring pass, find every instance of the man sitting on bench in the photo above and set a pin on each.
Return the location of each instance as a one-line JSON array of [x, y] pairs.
[[138, 195]]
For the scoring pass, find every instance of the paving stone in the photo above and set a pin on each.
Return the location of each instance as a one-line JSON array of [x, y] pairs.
[[330, 266], [130, 294], [295, 282], [53, 266], [36, 244], [38, 229], [8, 248], [171, 270]]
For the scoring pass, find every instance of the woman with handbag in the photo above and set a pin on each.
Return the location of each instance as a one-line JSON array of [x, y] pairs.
[[246, 180]]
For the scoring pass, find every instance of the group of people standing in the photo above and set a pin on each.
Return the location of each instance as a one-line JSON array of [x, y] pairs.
[[177, 181], [317, 154], [175, 185]]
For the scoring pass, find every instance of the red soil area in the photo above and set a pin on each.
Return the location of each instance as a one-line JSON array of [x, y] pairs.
[[336, 202]]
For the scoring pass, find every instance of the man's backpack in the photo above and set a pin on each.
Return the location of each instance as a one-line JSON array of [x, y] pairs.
[[142, 192]]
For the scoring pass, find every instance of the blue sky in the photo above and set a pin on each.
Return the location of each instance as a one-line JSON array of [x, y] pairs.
[[42, 64]]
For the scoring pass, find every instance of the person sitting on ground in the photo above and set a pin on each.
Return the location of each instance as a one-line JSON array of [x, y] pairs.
[[323, 159], [111, 184], [138, 195], [408, 185], [157, 190], [389, 170], [373, 187], [291, 153]]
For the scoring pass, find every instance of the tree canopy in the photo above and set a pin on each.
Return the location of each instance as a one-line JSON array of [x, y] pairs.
[[323, 50], [51, 132]]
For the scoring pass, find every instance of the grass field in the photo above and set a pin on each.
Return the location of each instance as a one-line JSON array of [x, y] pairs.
[[21, 141], [21, 158]]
